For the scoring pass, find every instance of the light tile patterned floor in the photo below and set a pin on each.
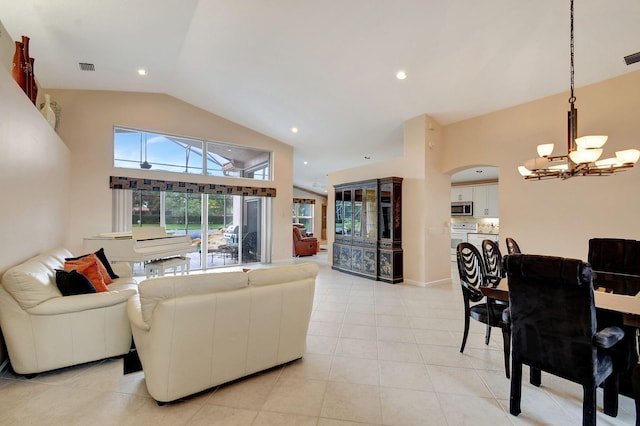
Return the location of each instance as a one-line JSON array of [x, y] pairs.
[[377, 354]]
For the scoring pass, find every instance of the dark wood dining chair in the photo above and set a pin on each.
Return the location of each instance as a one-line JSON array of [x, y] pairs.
[[553, 329], [620, 256], [485, 310], [512, 246]]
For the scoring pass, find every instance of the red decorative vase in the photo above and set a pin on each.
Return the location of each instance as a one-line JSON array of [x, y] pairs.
[[33, 86], [18, 67], [27, 66]]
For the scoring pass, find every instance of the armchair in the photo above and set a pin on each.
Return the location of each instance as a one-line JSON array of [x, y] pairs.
[[303, 246], [45, 330]]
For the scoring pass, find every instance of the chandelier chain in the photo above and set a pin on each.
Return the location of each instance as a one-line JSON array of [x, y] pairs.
[[572, 99]]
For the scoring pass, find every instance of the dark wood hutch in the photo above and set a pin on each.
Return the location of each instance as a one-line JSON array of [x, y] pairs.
[[368, 231]]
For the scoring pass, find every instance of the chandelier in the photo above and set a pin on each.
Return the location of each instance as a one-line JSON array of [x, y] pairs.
[[582, 158]]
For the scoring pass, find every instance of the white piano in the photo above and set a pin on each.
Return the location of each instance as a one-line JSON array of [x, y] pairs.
[[141, 245]]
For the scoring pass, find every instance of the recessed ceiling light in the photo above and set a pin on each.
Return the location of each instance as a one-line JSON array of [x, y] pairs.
[[305, 163], [142, 71], [294, 130], [401, 75]]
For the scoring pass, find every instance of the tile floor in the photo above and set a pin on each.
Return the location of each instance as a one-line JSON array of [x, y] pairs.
[[377, 354]]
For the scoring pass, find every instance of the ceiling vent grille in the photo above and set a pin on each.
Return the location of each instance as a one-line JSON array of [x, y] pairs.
[[86, 67], [632, 59]]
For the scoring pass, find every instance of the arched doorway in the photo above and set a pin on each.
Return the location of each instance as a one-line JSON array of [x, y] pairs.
[[475, 206]]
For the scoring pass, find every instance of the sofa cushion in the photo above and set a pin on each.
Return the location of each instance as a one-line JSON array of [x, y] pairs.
[[103, 260], [31, 283], [73, 282], [282, 274], [155, 290]]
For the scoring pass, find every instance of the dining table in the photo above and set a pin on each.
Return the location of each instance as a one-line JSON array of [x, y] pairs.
[[613, 292]]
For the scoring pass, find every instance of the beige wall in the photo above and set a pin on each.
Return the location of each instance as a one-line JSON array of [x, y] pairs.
[[551, 217], [425, 201], [34, 171], [557, 217], [87, 124]]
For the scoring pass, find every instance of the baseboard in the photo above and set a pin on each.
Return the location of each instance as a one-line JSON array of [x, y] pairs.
[[428, 284]]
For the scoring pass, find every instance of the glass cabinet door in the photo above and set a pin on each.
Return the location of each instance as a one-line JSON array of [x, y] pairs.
[[357, 213], [339, 214], [386, 215], [348, 213], [370, 214]]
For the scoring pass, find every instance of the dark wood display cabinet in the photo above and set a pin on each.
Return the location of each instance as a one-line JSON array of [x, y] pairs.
[[368, 234]]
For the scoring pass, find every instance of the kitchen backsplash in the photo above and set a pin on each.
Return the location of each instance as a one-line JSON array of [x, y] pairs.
[[485, 226]]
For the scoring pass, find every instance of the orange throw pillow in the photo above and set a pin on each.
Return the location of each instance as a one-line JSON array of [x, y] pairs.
[[103, 271], [88, 267]]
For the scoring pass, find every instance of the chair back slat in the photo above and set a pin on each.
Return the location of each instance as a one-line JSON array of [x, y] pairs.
[[492, 258], [470, 267]]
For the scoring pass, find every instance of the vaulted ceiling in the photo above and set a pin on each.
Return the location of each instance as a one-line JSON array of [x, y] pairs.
[[329, 67]]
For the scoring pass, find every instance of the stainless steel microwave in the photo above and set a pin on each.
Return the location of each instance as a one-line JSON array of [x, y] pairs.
[[464, 208]]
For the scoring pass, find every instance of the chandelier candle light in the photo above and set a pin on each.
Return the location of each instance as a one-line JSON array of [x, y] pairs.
[[582, 158]]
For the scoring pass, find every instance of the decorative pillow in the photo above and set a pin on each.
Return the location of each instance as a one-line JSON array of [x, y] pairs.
[[103, 271], [88, 266], [73, 282], [103, 259]]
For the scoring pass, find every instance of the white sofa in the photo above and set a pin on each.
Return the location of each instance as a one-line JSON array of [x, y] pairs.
[[44, 330], [197, 331]]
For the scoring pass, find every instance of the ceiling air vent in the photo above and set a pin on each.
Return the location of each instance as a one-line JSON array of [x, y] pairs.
[[632, 59], [86, 67]]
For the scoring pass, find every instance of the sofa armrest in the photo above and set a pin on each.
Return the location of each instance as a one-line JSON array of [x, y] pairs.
[[134, 312], [122, 269], [81, 302]]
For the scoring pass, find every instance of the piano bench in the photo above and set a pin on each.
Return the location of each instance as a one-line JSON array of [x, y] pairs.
[[157, 268]]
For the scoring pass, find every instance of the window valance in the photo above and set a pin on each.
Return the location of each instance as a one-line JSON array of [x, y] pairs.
[[121, 182], [304, 200]]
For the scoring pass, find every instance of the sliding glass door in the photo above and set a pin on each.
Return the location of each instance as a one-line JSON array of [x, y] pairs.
[[233, 232]]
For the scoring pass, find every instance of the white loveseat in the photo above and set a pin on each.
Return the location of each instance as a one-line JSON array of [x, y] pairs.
[[44, 330], [197, 331]]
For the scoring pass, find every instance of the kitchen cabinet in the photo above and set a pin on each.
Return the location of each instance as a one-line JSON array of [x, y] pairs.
[[461, 193], [368, 234], [485, 201]]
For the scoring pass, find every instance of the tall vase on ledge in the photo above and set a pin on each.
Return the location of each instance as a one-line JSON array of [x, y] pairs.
[[47, 111], [18, 67]]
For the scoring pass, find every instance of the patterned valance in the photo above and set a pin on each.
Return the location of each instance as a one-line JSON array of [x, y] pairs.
[[304, 200], [120, 182]]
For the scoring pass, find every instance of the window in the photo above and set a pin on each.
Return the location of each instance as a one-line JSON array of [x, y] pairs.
[[137, 149], [303, 213]]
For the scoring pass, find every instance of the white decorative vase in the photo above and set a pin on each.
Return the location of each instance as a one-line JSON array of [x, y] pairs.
[[47, 111]]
